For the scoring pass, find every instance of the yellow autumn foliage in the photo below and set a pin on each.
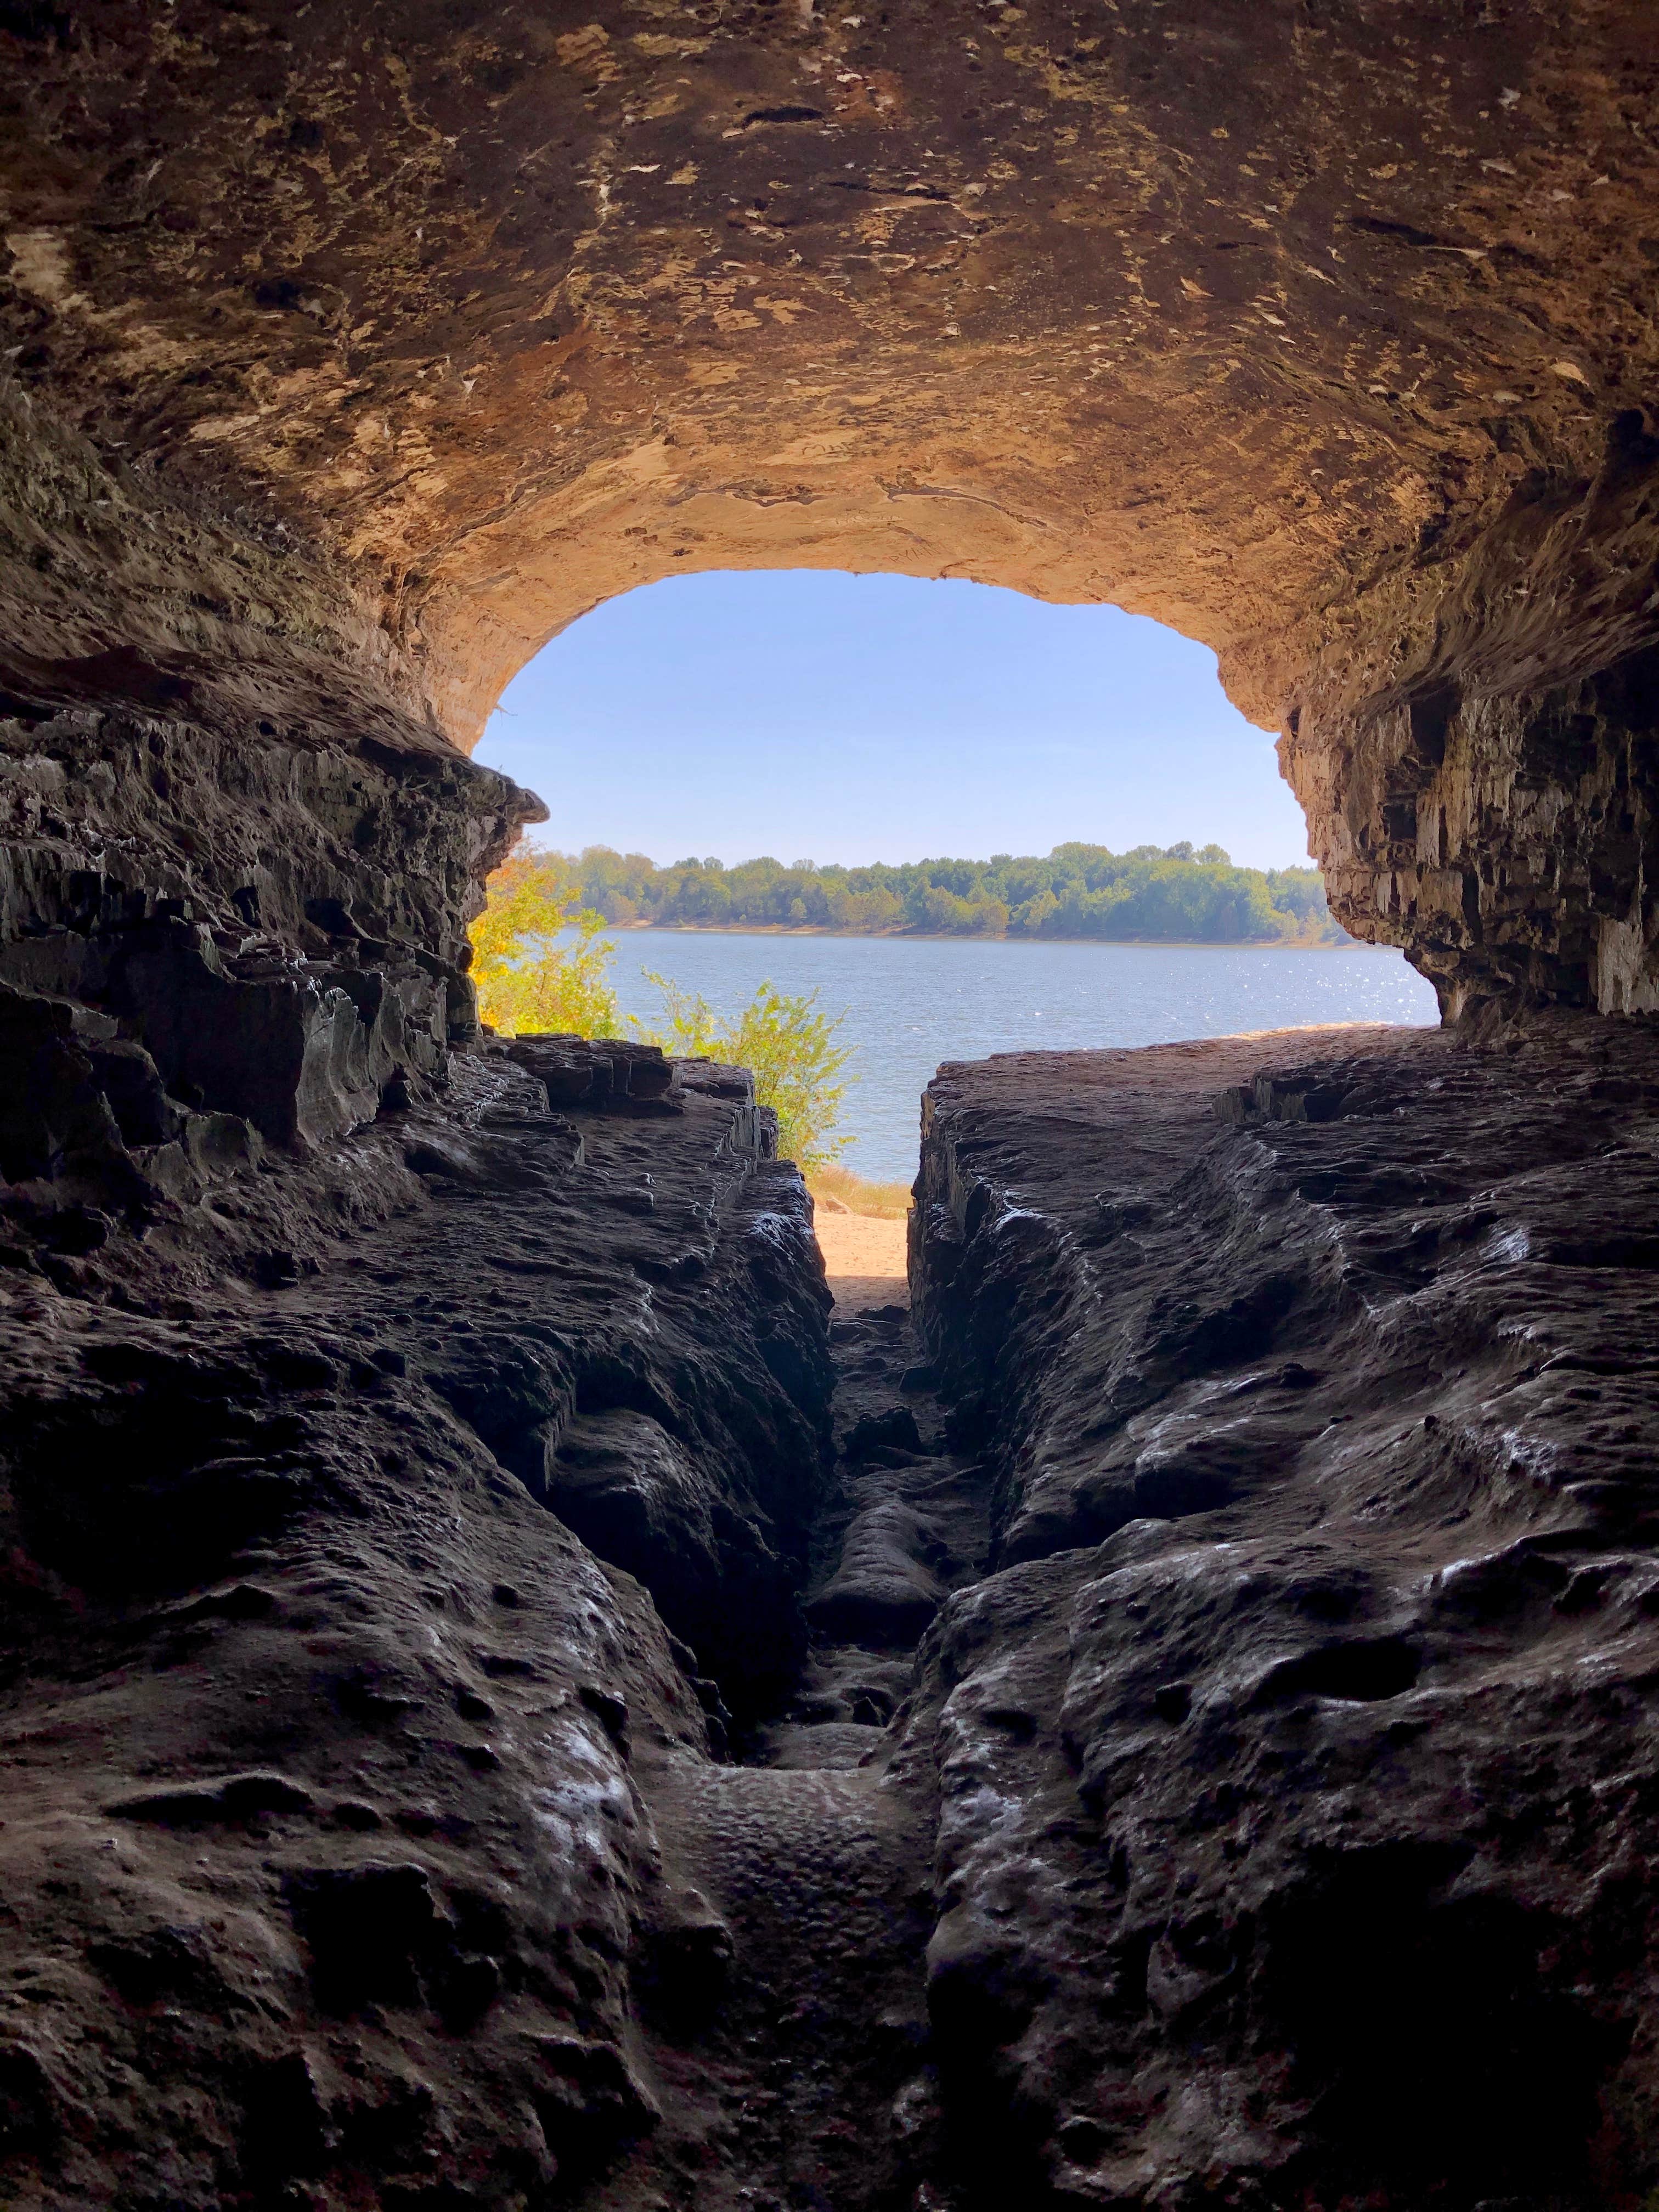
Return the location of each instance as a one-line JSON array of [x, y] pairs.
[[540, 960]]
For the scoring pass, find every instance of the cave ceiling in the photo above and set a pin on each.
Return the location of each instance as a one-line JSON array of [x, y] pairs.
[[1238, 315], [355, 351]]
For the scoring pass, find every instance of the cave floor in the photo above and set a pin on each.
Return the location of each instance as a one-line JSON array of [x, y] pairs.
[[928, 1758], [816, 1862]]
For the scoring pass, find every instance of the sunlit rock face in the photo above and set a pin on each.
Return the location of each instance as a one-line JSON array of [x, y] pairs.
[[1322, 332]]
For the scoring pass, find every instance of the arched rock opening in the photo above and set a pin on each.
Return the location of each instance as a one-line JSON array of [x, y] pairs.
[[1274, 1462], [349, 364]]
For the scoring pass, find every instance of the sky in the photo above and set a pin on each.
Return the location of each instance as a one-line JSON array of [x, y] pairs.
[[811, 714]]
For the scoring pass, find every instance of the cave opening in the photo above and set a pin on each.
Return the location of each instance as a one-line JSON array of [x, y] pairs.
[[989, 785], [507, 1697], [870, 717]]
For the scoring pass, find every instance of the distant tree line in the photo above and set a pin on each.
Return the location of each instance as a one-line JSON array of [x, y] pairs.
[[1152, 893]]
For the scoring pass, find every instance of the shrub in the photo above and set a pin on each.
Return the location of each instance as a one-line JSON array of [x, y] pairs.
[[789, 1046], [541, 963]]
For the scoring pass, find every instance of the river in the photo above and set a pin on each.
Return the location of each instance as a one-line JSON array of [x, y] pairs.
[[911, 1002]]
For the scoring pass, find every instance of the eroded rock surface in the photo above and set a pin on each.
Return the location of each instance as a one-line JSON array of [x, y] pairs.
[[1311, 1703], [347, 362], [326, 1867], [514, 1706]]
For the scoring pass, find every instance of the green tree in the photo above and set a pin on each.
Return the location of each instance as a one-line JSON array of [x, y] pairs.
[[1033, 915], [941, 909], [788, 1045], [1077, 890]]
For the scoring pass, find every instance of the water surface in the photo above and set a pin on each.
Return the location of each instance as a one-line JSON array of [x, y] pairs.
[[911, 1002]]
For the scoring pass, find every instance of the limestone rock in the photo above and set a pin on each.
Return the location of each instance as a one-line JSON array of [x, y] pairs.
[[322, 1807], [1328, 338], [1307, 1708]]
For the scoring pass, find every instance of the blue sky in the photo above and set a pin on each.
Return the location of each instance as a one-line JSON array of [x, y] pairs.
[[817, 715]]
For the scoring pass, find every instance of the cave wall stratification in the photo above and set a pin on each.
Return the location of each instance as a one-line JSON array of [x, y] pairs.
[[368, 1838], [350, 364]]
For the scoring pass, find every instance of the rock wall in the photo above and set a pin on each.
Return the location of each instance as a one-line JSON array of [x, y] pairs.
[[500, 1709], [1483, 812], [1309, 1700], [328, 1871], [341, 371], [213, 946], [236, 867]]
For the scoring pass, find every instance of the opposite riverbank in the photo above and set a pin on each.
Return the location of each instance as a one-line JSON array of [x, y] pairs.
[[987, 937], [1163, 894]]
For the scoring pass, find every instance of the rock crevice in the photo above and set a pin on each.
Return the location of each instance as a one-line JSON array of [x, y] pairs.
[[504, 1694]]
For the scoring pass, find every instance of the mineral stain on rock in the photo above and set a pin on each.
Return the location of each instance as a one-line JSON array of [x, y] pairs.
[[512, 1696]]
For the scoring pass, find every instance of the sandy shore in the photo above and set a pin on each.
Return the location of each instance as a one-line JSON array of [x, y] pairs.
[[864, 1258]]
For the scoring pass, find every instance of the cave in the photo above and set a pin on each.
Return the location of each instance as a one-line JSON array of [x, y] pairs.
[[1203, 1650]]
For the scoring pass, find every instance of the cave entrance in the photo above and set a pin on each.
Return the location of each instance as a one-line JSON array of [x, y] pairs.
[[877, 717], [1027, 825]]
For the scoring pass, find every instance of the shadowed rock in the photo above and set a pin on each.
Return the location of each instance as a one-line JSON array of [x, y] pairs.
[[414, 1449]]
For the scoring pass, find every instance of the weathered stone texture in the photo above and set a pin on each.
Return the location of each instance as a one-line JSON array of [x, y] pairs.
[[325, 1854], [1311, 1706], [351, 361], [1217, 1769]]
